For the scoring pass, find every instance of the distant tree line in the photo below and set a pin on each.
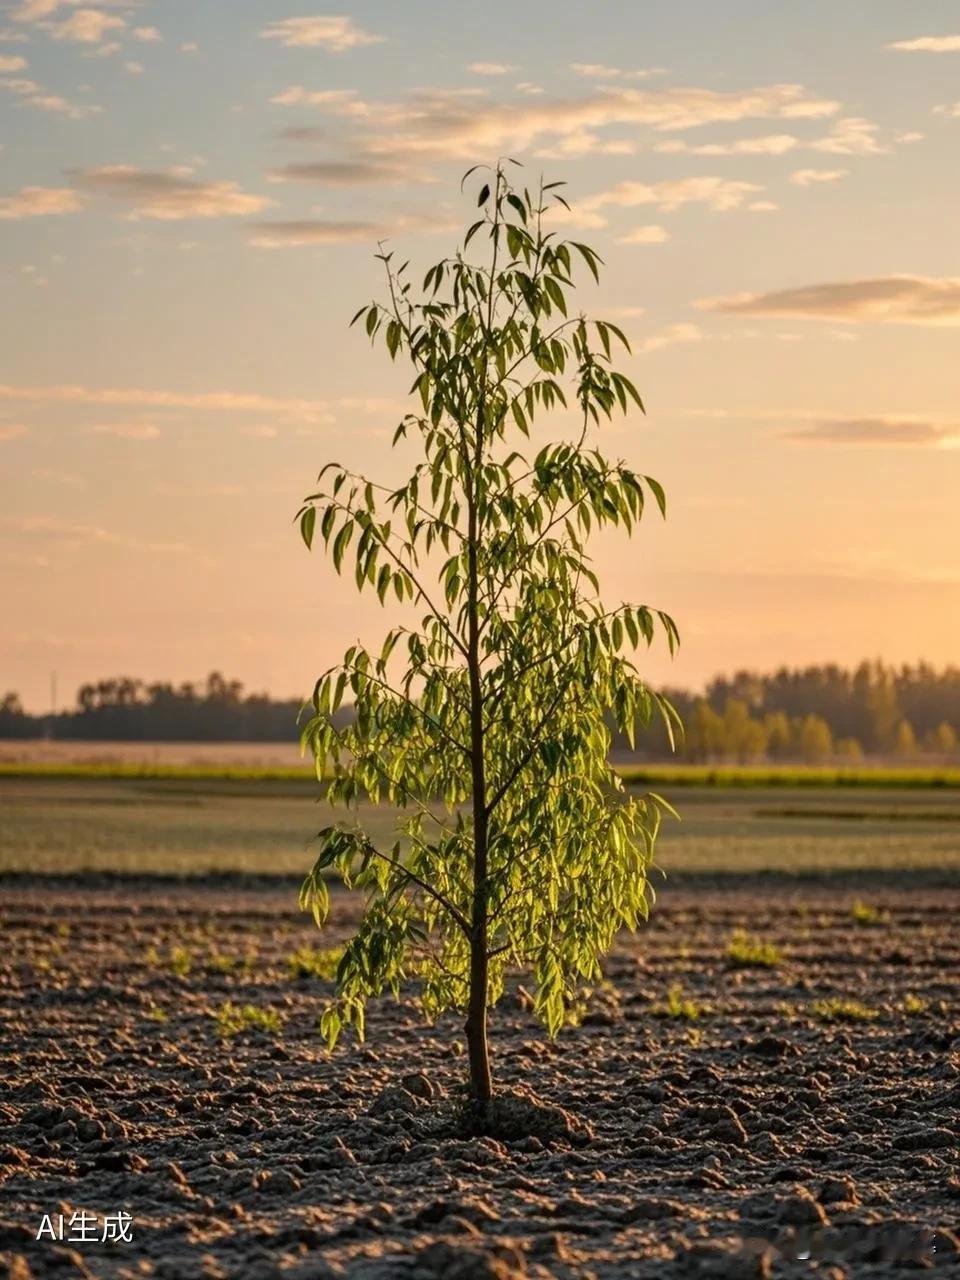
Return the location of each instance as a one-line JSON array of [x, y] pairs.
[[817, 714], [822, 714], [125, 709]]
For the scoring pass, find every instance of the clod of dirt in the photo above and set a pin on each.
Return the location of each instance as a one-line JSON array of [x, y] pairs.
[[444, 1260], [838, 1191], [515, 1115], [801, 1210], [727, 1261]]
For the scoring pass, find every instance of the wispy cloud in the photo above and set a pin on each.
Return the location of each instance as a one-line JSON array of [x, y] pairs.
[[74, 535], [645, 235], [148, 35], [928, 44], [203, 401], [9, 63], [876, 430], [34, 95], [812, 177], [322, 231], [342, 173], [915, 300], [491, 68], [338, 101], [458, 124], [335, 34], [720, 194], [168, 196], [598, 71], [848, 136], [671, 336], [125, 430], [86, 26], [39, 202]]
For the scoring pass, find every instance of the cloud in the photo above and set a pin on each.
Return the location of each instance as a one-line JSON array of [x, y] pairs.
[[168, 196], [951, 109], [77, 535], [850, 135], [671, 336], [138, 397], [12, 432], [490, 68], [148, 35], [338, 173], [928, 44], [597, 71], [8, 64], [86, 26], [34, 95], [645, 235], [321, 231], [810, 177], [125, 430], [775, 144], [335, 34], [762, 206], [720, 194], [875, 430], [452, 124], [921, 300], [133, 68], [337, 101], [39, 202]]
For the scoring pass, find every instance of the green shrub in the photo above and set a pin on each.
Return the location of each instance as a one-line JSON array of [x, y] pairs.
[[839, 1009], [746, 952], [231, 1019], [678, 1007], [315, 962]]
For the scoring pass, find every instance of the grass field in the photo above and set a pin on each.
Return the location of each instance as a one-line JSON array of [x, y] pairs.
[[728, 777], [192, 823]]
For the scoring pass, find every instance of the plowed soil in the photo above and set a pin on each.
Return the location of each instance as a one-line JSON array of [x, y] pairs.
[[798, 1120]]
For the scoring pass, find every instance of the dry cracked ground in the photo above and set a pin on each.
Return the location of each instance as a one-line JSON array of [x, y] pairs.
[[709, 1120]]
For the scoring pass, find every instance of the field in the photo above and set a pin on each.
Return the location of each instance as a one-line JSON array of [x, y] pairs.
[[765, 1083], [190, 825]]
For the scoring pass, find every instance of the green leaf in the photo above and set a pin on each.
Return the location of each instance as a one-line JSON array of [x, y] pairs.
[[657, 490], [307, 524], [484, 194]]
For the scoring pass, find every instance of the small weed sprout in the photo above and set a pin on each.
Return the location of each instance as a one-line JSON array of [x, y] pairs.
[[837, 1009], [315, 962], [678, 1007], [156, 1014], [915, 1006], [868, 917], [746, 952], [231, 1019], [181, 961]]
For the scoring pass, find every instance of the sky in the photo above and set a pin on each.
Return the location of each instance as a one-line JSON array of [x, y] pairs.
[[190, 200]]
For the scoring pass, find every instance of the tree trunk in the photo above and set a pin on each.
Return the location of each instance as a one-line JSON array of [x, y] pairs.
[[481, 1085], [481, 1082]]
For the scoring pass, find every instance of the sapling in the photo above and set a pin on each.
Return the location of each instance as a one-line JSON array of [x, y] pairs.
[[487, 724]]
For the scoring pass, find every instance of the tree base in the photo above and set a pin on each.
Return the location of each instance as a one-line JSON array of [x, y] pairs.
[[512, 1115]]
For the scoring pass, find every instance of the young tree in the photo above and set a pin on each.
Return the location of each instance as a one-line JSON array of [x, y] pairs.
[[484, 724]]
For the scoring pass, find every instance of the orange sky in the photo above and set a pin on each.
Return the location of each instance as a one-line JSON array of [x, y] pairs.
[[189, 203]]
